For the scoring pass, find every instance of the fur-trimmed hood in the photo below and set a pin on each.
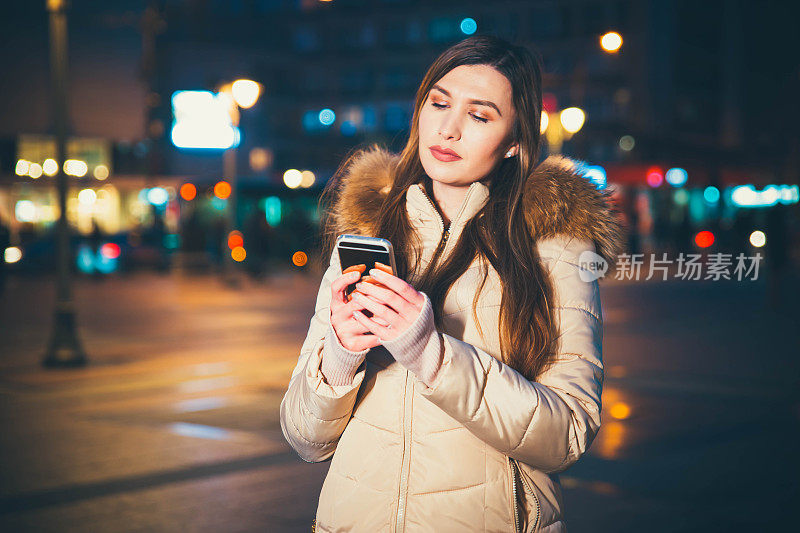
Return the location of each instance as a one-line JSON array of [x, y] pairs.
[[557, 200]]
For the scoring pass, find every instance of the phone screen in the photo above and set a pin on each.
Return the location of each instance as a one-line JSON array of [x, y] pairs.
[[352, 254]]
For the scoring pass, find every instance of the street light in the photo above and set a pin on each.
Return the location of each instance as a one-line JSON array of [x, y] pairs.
[[569, 122], [572, 119], [244, 94], [64, 349], [558, 127], [611, 42]]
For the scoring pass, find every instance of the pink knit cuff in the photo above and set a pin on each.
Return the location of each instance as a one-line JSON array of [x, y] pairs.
[[339, 365], [419, 348]]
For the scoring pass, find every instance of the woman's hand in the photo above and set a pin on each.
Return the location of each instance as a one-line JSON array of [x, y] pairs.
[[350, 332], [394, 304]]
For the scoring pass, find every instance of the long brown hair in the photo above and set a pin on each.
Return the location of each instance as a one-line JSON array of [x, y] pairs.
[[498, 233]]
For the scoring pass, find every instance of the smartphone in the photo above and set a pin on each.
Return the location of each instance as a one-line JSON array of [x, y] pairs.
[[357, 252]]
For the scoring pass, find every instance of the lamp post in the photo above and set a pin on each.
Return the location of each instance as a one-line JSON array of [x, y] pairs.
[[244, 94], [561, 126], [64, 349]]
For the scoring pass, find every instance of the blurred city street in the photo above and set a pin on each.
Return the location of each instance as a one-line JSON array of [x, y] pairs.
[[170, 171], [173, 425]]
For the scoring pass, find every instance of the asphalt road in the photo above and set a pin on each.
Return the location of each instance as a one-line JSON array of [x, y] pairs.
[[174, 424]]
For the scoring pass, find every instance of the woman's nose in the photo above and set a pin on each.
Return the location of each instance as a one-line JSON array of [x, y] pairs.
[[449, 128]]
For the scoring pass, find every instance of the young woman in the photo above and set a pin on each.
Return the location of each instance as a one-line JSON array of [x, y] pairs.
[[477, 378]]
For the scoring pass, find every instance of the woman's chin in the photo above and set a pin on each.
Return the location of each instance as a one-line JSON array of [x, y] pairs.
[[440, 170], [440, 175]]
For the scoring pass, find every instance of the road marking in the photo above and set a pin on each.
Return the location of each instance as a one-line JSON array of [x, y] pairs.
[[200, 404], [200, 431]]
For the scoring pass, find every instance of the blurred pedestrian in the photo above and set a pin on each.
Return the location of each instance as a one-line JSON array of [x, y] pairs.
[[661, 220], [193, 255], [95, 245], [256, 239], [191, 232], [439, 415], [156, 234], [217, 241], [301, 230], [632, 220], [683, 233]]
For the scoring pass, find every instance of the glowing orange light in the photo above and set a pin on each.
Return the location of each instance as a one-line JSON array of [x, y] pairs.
[[704, 239], [222, 189], [299, 259], [110, 250], [611, 41], [620, 411], [238, 254], [235, 239], [188, 191]]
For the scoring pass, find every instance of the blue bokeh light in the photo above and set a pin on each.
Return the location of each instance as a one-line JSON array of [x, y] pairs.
[[711, 194], [273, 210], [172, 241], [157, 196], [676, 177], [327, 117], [469, 26], [89, 261], [596, 174]]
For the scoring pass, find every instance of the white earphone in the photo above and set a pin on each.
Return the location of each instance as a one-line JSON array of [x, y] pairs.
[[509, 153]]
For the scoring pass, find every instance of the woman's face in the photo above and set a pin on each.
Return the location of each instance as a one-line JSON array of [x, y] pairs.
[[468, 111]]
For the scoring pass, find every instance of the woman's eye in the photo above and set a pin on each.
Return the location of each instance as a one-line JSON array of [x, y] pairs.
[[474, 117]]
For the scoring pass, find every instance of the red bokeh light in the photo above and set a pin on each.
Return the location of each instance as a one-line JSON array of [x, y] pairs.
[[655, 176], [235, 239], [549, 102], [704, 239], [110, 250]]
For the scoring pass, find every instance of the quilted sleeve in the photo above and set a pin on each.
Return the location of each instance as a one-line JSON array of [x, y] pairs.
[[314, 413], [550, 423]]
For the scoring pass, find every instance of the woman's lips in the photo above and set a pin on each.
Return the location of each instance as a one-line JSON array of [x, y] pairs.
[[441, 156]]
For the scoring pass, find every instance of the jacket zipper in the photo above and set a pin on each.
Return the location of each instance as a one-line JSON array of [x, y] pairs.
[[516, 468], [405, 461], [514, 495], [446, 233], [406, 457]]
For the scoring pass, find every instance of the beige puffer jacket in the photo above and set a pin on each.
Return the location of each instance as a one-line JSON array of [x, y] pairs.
[[406, 457]]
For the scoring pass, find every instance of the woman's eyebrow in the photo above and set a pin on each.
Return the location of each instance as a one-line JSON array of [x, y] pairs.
[[478, 102]]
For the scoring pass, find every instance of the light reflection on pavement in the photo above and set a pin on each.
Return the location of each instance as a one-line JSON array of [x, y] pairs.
[[174, 425]]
